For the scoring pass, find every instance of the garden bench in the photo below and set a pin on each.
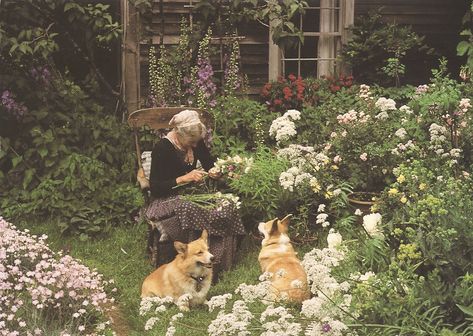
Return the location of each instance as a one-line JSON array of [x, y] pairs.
[[156, 119]]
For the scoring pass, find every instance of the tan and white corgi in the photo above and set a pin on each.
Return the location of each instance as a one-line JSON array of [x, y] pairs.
[[277, 256], [189, 273]]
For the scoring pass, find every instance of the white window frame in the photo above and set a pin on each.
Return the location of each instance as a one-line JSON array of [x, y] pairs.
[[331, 37]]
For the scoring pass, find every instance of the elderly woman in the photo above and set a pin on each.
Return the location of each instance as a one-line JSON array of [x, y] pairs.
[[174, 162]]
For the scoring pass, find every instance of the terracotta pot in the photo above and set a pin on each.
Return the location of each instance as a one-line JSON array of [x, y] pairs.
[[362, 200]]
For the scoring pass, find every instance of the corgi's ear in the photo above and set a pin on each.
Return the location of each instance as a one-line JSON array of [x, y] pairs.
[[274, 226], [284, 223], [205, 236], [181, 248]]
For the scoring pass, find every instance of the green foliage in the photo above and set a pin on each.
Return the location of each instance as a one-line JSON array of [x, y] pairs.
[[234, 13], [377, 49], [78, 193], [261, 194], [465, 47], [60, 147], [240, 124], [34, 33]]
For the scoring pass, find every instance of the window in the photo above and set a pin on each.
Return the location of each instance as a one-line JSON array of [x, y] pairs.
[[324, 27]]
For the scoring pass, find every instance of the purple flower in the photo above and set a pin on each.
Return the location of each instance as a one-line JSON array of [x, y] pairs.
[[326, 327]]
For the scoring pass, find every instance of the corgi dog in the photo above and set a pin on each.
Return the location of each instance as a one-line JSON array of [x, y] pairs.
[[189, 273], [277, 257]]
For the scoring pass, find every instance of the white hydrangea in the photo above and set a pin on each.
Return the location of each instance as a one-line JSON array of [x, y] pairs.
[[284, 128], [401, 133], [385, 104], [334, 239], [371, 223]]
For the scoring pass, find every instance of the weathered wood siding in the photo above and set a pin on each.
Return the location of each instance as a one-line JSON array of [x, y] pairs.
[[438, 20], [253, 48]]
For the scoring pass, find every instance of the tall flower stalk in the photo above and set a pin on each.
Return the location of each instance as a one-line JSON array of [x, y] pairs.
[[202, 88], [232, 78]]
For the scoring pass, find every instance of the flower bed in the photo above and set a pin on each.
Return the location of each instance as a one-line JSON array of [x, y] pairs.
[[47, 293]]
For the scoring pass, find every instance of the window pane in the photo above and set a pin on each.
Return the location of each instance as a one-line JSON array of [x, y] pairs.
[[308, 69], [313, 3], [309, 48], [311, 20], [291, 52], [290, 67]]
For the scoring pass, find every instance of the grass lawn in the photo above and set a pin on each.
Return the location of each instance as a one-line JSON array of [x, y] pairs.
[[121, 256]]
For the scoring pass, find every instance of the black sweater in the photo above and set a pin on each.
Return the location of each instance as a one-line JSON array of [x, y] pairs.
[[167, 163]]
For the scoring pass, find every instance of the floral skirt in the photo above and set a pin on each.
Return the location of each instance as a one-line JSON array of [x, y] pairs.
[[180, 220]]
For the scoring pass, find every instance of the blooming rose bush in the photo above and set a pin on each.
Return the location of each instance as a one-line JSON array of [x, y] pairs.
[[47, 293], [284, 94]]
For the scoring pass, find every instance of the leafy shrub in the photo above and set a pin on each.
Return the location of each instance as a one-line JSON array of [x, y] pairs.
[[284, 94], [240, 124], [80, 195], [377, 49], [261, 195]]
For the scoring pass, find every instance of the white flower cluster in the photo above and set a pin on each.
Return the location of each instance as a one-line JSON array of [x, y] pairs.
[[352, 116], [406, 109], [365, 93], [232, 166], [283, 128], [420, 90], [330, 297], [401, 133], [438, 138], [305, 161], [261, 291], [385, 104], [227, 199], [464, 106], [372, 223], [401, 147], [322, 217], [218, 301], [234, 323], [154, 303], [278, 321], [334, 238]]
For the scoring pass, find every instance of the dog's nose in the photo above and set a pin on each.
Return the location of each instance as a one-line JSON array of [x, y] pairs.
[[212, 258]]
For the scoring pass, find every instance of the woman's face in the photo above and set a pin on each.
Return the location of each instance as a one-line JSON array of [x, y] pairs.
[[189, 142]]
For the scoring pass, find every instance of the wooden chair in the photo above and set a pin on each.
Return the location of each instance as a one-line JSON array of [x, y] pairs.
[[156, 119]]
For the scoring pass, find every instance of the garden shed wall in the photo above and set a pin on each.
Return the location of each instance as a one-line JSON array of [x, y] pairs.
[[438, 20]]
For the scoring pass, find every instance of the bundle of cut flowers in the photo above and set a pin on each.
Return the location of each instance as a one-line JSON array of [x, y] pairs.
[[47, 293], [232, 167], [216, 200]]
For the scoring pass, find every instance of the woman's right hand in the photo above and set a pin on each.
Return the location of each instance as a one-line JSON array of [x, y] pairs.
[[193, 176]]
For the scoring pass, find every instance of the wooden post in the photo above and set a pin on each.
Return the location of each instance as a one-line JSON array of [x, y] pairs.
[[348, 19], [130, 56], [274, 58], [326, 45]]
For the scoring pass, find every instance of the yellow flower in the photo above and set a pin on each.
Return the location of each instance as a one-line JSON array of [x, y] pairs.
[[334, 167], [422, 186], [328, 194], [393, 191], [403, 199], [314, 184], [401, 178]]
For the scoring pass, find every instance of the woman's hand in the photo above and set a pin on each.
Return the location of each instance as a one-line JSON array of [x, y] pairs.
[[193, 176]]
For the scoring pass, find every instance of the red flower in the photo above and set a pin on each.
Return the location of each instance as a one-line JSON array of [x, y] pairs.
[[277, 102], [291, 77]]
